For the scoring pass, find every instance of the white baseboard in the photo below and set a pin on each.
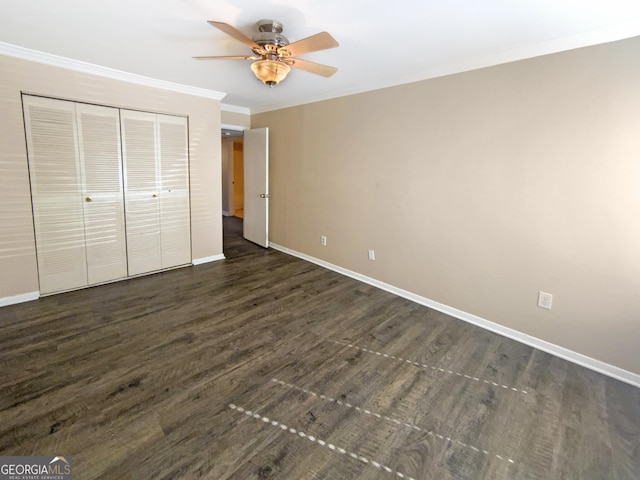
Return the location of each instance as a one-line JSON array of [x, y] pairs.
[[558, 351], [226, 214], [23, 297], [213, 258]]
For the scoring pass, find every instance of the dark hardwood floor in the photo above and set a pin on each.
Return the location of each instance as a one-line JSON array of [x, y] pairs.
[[265, 366]]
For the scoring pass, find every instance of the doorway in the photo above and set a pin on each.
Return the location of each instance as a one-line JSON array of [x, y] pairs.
[[232, 172], [245, 188], [232, 144], [238, 178]]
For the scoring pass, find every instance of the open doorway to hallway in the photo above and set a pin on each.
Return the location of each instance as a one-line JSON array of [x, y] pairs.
[[232, 173], [238, 178]]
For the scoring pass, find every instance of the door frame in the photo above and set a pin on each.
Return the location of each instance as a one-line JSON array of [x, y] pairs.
[[228, 179]]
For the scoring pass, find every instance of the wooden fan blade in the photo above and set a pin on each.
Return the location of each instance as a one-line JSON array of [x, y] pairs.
[[227, 57], [319, 41], [235, 33], [311, 67]]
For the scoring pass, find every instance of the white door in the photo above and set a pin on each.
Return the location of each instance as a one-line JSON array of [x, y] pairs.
[[142, 208], [156, 166], [256, 186], [103, 200], [110, 192], [56, 190], [175, 217]]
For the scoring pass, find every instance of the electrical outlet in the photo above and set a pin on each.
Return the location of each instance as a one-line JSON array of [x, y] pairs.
[[372, 255], [323, 240], [545, 300]]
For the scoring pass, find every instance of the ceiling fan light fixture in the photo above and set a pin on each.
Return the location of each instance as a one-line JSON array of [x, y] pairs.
[[270, 72]]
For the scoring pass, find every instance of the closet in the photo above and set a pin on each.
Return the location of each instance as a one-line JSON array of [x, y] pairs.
[[110, 192]]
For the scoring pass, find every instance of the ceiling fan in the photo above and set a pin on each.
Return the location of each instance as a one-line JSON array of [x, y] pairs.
[[274, 55]]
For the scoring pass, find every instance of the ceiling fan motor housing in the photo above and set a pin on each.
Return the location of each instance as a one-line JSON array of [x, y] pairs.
[[270, 31]]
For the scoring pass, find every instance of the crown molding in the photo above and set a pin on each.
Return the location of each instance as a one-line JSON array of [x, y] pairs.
[[90, 68], [235, 109]]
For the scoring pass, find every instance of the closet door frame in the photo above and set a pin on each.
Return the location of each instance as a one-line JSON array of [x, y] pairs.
[[166, 193]]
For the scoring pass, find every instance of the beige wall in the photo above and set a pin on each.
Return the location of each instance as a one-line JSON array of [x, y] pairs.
[[235, 119], [17, 248], [477, 190]]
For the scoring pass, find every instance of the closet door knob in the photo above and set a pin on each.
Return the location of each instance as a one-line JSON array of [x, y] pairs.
[[88, 199], [154, 195]]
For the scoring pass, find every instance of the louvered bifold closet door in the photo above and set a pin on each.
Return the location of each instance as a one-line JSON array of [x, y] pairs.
[[56, 189], [175, 225], [142, 209], [101, 161]]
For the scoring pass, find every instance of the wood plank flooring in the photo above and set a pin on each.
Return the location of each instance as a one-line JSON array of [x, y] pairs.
[[266, 366]]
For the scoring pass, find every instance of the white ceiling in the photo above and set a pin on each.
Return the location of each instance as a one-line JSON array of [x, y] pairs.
[[382, 42]]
